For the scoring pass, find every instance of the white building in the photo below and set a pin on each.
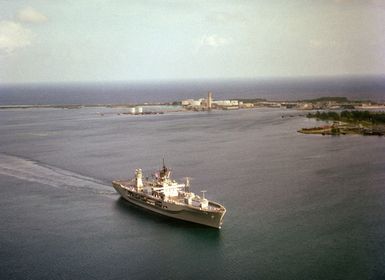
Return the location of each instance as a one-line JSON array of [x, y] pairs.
[[187, 102], [226, 103]]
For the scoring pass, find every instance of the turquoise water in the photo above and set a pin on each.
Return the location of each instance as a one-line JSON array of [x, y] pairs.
[[299, 206]]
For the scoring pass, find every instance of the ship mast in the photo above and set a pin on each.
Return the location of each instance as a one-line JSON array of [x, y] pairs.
[[203, 194], [165, 172], [187, 185], [138, 179]]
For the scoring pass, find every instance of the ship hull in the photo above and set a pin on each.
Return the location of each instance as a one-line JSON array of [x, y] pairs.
[[169, 209]]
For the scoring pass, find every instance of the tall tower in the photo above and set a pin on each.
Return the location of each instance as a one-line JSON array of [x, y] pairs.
[[209, 100], [138, 179]]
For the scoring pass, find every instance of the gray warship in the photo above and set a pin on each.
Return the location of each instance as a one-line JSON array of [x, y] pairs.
[[163, 195]]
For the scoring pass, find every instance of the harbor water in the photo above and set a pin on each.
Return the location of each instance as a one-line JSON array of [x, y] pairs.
[[298, 206]]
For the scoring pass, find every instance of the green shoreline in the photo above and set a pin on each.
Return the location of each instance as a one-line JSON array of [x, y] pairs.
[[348, 123]]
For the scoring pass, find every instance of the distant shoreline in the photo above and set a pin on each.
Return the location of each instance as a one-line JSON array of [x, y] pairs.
[[79, 106], [329, 106], [321, 103]]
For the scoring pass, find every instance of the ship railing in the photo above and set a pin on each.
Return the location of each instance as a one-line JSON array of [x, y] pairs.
[[209, 207]]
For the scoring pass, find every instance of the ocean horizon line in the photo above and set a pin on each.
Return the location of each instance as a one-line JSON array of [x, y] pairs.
[[354, 88]]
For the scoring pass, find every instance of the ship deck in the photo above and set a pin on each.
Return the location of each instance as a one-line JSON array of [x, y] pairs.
[[212, 206]]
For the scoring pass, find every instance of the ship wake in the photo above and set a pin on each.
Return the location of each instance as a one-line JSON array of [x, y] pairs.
[[32, 171]]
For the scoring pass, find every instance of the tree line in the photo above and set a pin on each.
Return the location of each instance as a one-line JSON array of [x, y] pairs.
[[350, 116]]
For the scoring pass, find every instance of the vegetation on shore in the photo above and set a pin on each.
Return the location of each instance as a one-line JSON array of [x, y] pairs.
[[251, 100], [337, 99], [348, 122], [350, 116]]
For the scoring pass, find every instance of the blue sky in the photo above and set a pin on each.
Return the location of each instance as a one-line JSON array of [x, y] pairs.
[[129, 40]]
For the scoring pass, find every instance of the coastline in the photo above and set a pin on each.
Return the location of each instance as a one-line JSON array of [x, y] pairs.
[[348, 122], [329, 106], [321, 103]]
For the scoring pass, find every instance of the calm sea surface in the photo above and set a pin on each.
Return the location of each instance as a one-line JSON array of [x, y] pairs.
[[362, 88], [299, 206]]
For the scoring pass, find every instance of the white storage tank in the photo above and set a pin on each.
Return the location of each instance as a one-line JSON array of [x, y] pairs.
[[139, 110], [132, 110], [196, 103]]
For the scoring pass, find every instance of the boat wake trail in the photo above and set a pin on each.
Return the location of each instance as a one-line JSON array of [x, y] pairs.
[[32, 171]]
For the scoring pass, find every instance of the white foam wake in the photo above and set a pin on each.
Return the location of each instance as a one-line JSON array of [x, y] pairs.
[[32, 171]]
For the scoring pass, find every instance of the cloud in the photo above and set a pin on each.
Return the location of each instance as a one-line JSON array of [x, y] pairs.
[[378, 3], [30, 15], [213, 41], [320, 44], [222, 17], [13, 36]]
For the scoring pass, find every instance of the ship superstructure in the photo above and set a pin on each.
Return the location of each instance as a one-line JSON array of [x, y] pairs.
[[166, 196]]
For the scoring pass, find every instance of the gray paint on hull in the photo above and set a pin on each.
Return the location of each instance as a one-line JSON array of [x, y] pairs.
[[208, 218]]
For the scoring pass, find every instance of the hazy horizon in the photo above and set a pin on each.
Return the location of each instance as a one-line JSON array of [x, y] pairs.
[[86, 93], [72, 41], [323, 78]]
